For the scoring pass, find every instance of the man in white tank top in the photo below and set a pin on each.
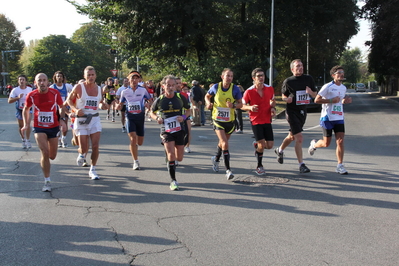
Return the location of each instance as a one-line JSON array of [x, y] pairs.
[[85, 101]]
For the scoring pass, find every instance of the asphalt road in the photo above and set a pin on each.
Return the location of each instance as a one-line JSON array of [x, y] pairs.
[[132, 218]]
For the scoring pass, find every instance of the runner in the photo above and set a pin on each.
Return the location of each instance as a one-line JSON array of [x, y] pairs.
[[64, 88], [227, 97], [87, 124], [109, 93], [333, 96], [123, 110], [46, 103], [18, 96], [137, 99], [170, 107], [259, 101]]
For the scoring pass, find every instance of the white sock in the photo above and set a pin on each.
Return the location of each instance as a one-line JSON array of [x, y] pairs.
[[92, 168], [280, 150], [47, 179]]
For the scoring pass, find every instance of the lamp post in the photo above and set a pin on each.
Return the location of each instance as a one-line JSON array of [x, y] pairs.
[[4, 60]]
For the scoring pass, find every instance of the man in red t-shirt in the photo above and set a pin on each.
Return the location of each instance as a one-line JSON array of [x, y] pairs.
[[46, 103], [259, 101]]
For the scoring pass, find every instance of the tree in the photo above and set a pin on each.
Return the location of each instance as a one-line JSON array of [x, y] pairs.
[[198, 38], [351, 60], [384, 46], [92, 40], [9, 40], [56, 52]]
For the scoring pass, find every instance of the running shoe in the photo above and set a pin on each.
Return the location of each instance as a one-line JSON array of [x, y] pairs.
[[85, 164], [65, 144], [341, 170], [80, 160], [123, 129], [311, 147], [303, 169], [28, 144], [229, 174], [136, 165], [280, 156], [174, 185], [260, 170], [117, 113], [215, 164], [187, 149], [59, 142], [23, 144], [46, 187], [93, 175], [113, 119], [239, 132], [107, 117]]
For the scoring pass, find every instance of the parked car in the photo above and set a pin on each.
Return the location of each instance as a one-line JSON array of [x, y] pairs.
[[360, 87]]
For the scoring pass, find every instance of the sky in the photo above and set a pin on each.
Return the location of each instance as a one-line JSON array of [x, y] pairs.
[[62, 19]]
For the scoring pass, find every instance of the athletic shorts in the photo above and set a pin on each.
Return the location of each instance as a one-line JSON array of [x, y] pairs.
[[263, 131], [123, 109], [109, 101], [228, 127], [177, 137], [18, 114], [87, 129], [330, 126], [51, 133], [135, 125], [296, 120]]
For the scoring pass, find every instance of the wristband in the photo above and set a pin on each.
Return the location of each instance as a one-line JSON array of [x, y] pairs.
[[184, 117]]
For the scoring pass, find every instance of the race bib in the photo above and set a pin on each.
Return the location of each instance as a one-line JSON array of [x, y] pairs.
[[336, 109], [46, 119], [302, 98], [91, 103], [223, 114], [134, 108], [21, 104], [112, 93], [172, 125]]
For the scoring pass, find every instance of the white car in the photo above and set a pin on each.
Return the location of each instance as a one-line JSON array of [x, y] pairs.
[[360, 87]]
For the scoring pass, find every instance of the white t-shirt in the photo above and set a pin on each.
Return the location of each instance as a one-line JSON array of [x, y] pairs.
[[16, 92], [332, 111]]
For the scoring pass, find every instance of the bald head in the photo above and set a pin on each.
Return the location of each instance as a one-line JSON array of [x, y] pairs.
[[41, 81]]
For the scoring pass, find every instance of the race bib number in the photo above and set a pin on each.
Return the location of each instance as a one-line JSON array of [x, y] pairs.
[[134, 108], [91, 103], [302, 98], [336, 109], [112, 93], [172, 125], [46, 119], [223, 114]]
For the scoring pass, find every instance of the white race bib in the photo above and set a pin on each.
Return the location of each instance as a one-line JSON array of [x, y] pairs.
[[302, 98], [134, 108], [223, 114], [46, 119], [172, 125], [91, 103]]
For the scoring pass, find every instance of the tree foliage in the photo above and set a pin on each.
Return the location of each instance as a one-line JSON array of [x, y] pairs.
[[198, 38], [384, 46], [9, 40], [350, 60]]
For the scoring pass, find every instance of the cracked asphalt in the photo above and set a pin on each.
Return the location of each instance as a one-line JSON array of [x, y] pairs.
[[132, 218]]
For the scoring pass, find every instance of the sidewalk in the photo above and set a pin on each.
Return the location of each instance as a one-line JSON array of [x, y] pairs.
[[391, 98]]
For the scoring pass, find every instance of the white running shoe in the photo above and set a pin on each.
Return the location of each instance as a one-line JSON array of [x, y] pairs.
[[28, 144], [187, 149], [80, 160], [312, 149], [136, 165], [215, 164], [23, 144], [341, 170], [46, 187], [93, 175], [229, 174], [174, 185], [123, 129]]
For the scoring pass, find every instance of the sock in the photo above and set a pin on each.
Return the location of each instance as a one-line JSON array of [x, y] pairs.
[[226, 158], [218, 153], [92, 168], [280, 150], [47, 179], [172, 171], [259, 156]]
